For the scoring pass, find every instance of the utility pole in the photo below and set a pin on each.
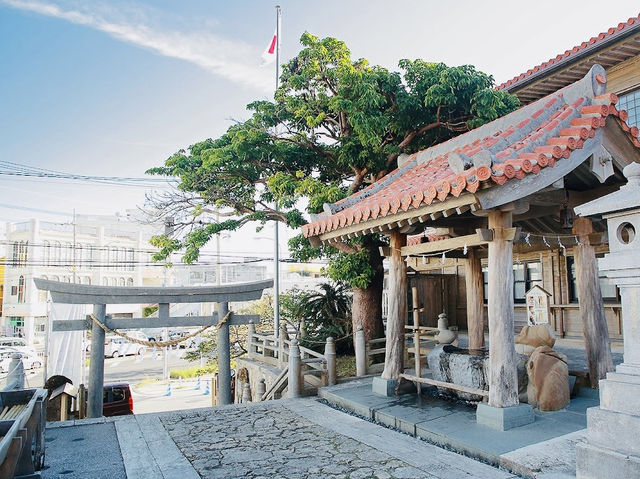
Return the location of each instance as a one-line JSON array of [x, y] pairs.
[[276, 249], [73, 267], [168, 230]]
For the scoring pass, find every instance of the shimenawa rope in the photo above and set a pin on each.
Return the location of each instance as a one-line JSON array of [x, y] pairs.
[[160, 344]]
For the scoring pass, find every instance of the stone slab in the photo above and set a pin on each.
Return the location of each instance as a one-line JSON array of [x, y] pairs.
[[79, 452], [620, 396], [504, 418], [452, 424], [384, 387], [593, 462], [610, 427], [555, 458], [136, 456]]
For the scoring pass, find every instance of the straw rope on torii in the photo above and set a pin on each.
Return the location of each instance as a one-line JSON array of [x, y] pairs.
[[160, 344]]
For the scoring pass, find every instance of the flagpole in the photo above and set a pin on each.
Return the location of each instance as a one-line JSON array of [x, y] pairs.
[[276, 255]]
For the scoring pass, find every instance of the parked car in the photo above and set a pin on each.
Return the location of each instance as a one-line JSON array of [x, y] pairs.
[[187, 343], [116, 346], [19, 344], [117, 399], [29, 361]]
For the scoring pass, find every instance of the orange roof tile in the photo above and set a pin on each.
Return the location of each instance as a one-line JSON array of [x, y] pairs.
[[522, 143], [568, 54]]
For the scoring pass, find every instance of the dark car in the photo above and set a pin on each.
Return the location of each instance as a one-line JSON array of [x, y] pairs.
[[117, 399]]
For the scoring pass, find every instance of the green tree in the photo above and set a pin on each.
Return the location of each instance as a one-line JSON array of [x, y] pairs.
[[335, 125]]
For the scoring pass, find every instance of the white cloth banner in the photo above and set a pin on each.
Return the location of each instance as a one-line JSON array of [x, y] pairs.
[[65, 347]]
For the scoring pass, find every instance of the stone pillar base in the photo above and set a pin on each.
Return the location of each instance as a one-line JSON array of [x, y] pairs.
[[503, 418], [383, 387], [594, 462], [612, 448]]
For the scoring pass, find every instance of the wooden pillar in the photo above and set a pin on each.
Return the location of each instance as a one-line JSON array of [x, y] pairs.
[[394, 351], [503, 377], [594, 323], [417, 354], [475, 299]]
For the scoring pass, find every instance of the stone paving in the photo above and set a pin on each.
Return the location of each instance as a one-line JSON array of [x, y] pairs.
[[305, 439]]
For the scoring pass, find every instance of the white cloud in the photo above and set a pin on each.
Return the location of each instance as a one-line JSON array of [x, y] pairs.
[[232, 60]]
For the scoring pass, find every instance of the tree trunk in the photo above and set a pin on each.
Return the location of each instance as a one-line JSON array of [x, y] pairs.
[[475, 300], [367, 303], [394, 351], [596, 334]]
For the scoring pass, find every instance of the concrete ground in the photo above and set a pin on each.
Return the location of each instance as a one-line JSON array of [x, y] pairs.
[[293, 439]]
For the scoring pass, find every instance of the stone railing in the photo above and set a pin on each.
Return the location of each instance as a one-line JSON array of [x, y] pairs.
[[299, 365]]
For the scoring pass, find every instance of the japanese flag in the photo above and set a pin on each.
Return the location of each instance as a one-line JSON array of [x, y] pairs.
[[269, 55]]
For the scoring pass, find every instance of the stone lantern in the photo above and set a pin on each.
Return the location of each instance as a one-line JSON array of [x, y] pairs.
[[612, 448]]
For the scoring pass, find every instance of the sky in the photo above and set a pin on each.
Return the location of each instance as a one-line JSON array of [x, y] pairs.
[[114, 88]]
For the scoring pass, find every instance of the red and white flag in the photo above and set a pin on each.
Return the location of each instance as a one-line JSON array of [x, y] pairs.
[[269, 55]]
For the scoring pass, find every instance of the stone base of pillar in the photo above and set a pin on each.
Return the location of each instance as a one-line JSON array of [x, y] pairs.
[[504, 418], [612, 448], [593, 462], [384, 387]]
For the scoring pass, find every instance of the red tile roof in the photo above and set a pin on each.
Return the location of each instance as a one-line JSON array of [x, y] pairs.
[[519, 144], [592, 43]]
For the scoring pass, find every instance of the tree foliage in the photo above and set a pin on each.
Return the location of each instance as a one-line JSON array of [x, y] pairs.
[[335, 125]]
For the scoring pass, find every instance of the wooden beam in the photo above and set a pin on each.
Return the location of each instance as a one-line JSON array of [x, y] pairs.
[[442, 384], [462, 209], [442, 245], [436, 206]]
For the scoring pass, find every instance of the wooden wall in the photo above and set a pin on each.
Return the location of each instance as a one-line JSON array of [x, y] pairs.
[[566, 319]]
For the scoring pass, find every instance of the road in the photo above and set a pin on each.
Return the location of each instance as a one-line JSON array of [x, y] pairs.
[[131, 369]]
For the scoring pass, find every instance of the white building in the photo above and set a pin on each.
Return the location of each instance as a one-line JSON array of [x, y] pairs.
[[100, 250]]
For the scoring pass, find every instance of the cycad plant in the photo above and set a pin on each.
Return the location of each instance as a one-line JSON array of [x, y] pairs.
[[327, 313]]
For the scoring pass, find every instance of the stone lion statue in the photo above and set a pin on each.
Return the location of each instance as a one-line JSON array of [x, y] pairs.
[[548, 372], [531, 337]]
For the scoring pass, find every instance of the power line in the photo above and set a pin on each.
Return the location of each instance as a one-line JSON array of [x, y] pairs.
[[88, 247], [9, 168]]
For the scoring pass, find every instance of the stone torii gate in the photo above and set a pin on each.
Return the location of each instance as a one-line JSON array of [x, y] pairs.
[[100, 296]]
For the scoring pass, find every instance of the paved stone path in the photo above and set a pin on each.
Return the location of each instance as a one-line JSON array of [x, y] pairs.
[[306, 439]]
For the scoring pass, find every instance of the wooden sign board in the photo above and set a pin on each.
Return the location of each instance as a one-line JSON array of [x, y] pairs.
[[538, 309]]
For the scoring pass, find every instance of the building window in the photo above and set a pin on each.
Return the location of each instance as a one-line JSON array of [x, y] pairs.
[[129, 281], [609, 290], [631, 103], [16, 321], [121, 282], [86, 280], [57, 252], [19, 253], [46, 253], [130, 259], [15, 255], [21, 289], [525, 276]]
